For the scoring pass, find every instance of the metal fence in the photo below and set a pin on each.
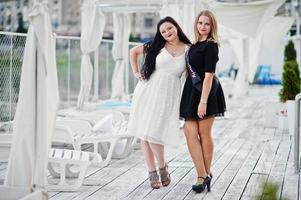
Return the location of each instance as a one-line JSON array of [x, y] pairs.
[[68, 57]]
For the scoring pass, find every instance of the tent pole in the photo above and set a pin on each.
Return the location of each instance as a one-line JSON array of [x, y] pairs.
[[96, 80]]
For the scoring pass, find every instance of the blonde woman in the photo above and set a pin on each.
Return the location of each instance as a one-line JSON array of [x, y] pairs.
[[202, 98]]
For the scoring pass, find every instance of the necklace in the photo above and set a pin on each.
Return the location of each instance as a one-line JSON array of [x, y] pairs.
[[172, 51]]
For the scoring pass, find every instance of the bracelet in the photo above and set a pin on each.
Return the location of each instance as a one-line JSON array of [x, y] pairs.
[[203, 101]]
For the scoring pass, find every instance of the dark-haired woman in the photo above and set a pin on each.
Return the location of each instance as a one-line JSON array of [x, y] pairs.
[[154, 116]]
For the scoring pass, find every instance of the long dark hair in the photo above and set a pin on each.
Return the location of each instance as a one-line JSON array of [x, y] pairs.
[[152, 48]]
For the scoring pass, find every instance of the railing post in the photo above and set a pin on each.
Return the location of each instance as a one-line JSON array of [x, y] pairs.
[[107, 69], [297, 131], [69, 73], [10, 79]]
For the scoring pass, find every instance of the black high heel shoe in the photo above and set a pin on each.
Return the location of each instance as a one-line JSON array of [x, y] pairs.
[[200, 187], [208, 182], [210, 175]]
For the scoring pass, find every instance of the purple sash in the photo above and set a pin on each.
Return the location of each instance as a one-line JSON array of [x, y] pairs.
[[196, 80]]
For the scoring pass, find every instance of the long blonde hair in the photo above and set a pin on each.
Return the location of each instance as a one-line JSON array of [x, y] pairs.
[[213, 36]]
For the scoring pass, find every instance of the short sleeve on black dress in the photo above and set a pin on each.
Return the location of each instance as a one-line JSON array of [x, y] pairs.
[[211, 57]]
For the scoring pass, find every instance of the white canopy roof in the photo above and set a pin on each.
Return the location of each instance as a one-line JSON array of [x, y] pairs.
[[232, 16]]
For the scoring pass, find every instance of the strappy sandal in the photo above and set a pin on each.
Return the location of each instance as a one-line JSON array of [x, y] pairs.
[[164, 175], [154, 179]]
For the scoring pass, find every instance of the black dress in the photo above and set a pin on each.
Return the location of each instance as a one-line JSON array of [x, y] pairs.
[[203, 57]]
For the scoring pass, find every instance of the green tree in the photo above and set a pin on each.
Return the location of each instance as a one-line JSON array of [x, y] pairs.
[[291, 80], [290, 52]]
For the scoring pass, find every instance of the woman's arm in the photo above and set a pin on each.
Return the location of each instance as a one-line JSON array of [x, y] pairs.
[[134, 53], [207, 84]]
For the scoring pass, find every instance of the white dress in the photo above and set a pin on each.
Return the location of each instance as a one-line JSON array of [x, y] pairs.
[[154, 115]]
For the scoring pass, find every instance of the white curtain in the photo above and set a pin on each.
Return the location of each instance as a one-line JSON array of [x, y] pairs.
[[190, 10], [171, 8], [36, 110], [92, 28], [240, 47], [120, 52]]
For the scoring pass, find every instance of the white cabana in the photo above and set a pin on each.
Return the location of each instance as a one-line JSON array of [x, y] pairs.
[[234, 16], [36, 110], [93, 23], [120, 52], [92, 27]]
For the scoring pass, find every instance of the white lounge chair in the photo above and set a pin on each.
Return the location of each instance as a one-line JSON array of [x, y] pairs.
[[67, 160], [68, 164], [79, 132], [93, 117]]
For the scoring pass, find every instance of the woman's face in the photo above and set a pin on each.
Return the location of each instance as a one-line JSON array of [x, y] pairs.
[[204, 26], [168, 31]]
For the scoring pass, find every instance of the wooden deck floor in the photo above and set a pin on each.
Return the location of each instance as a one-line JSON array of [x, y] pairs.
[[247, 154]]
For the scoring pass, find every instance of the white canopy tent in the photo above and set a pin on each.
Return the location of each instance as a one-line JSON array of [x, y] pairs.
[[36, 110], [121, 23], [233, 16]]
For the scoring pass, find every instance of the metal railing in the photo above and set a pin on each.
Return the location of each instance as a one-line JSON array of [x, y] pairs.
[[68, 57], [297, 133]]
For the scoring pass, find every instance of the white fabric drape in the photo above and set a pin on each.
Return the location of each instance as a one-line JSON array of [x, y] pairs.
[[190, 10], [275, 30], [255, 46], [270, 36], [170, 8], [241, 83], [92, 28], [120, 52], [237, 15], [36, 110], [184, 12]]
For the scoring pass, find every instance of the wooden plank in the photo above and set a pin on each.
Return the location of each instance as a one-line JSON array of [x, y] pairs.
[[100, 177], [219, 167], [267, 157], [290, 189], [238, 184], [183, 188], [257, 159], [254, 186], [262, 169], [277, 173], [138, 171], [223, 182]]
